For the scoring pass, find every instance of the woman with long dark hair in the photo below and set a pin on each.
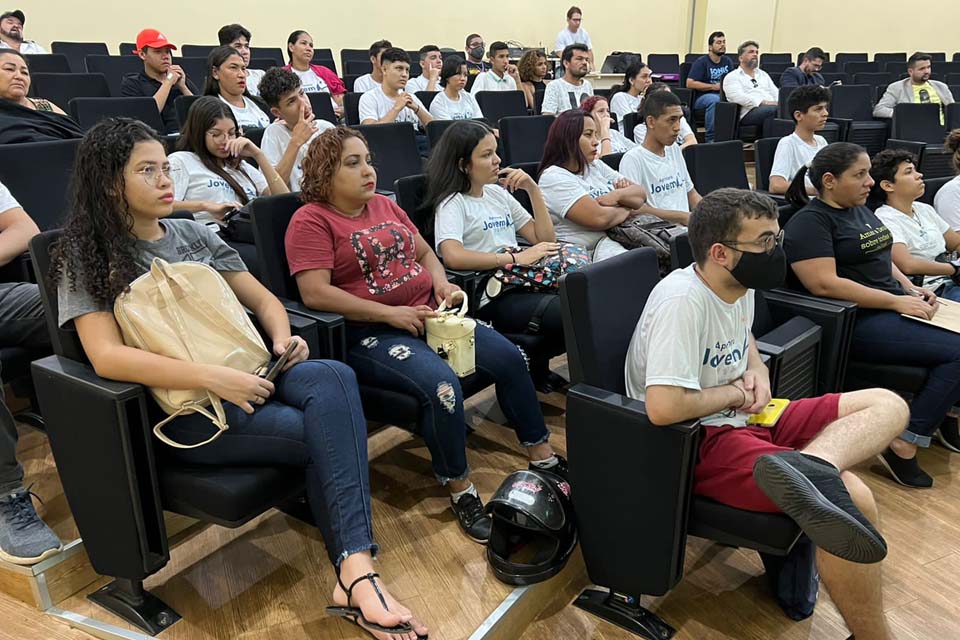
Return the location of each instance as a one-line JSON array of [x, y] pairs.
[[475, 217], [227, 79], [838, 248], [314, 78], [309, 417], [626, 97], [584, 196]]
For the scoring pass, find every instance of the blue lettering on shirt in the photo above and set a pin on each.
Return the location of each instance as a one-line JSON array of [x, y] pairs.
[[497, 223], [668, 184], [726, 353]]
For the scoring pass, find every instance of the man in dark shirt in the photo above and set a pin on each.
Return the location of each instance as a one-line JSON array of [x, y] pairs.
[[705, 77], [475, 52], [808, 72], [160, 79]]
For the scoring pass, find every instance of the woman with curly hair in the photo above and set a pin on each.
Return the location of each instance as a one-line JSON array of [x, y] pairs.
[[311, 415], [356, 253], [533, 69]]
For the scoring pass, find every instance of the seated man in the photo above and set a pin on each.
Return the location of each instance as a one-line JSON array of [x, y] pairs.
[[285, 141], [390, 102], [705, 77], [917, 87], [502, 75], [160, 79], [11, 34], [474, 55], [808, 72], [24, 537], [431, 61], [712, 371], [370, 80], [808, 104], [752, 88], [657, 163], [568, 91], [238, 37]]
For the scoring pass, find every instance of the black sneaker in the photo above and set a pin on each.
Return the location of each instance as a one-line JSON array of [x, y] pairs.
[[810, 491], [561, 469], [906, 472], [949, 434], [474, 522]]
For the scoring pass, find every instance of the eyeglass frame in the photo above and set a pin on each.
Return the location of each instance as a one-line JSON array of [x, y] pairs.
[[167, 170], [777, 241], [219, 135]]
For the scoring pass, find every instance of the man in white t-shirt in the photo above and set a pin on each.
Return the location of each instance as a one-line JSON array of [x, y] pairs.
[[370, 80], [808, 104], [390, 102], [431, 61], [751, 88], [502, 75], [572, 89], [693, 357], [238, 37], [11, 34], [285, 142], [657, 164], [574, 34]]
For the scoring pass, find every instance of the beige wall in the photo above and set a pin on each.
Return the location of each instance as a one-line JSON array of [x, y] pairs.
[[613, 25]]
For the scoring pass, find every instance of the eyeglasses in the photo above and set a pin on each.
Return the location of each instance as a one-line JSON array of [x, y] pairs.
[[221, 135], [151, 175], [766, 243]]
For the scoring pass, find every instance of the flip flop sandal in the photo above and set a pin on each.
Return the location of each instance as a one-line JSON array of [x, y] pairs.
[[355, 614]]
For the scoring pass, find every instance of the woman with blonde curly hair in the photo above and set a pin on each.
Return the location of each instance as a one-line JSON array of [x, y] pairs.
[[356, 253], [533, 69]]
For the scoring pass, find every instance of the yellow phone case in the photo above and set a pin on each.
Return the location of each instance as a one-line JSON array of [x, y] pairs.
[[770, 414]]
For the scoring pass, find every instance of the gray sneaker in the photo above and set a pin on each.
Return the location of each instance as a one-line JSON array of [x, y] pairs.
[[24, 537]]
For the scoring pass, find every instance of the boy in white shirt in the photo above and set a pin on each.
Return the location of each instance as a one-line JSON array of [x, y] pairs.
[[502, 76], [657, 164], [370, 80], [808, 104], [574, 34], [238, 37], [431, 60], [570, 90], [285, 142], [390, 102]]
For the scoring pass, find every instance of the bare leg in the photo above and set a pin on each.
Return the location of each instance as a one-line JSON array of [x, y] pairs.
[[365, 597], [853, 587]]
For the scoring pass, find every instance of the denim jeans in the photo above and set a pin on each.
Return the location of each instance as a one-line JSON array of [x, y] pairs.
[[951, 291], [393, 359], [510, 312], [761, 116], [313, 420], [887, 337], [708, 102]]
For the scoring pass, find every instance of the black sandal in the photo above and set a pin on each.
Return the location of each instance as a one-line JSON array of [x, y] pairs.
[[355, 614]]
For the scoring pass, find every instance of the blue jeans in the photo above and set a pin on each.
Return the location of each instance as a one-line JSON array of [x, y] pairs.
[[761, 116], [708, 102], [313, 420], [951, 292], [393, 359], [887, 337]]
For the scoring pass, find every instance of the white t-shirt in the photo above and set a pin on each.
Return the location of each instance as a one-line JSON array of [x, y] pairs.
[[254, 76], [420, 83], [665, 178], [194, 182], [489, 81], [561, 189], [793, 153], [922, 234], [375, 104], [27, 48], [566, 37], [364, 83], [276, 139], [7, 201], [947, 203], [250, 116], [464, 108], [740, 88], [481, 224], [560, 95], [640, 132], [623, 103], [620, 143], [311, 82], [688, 337]]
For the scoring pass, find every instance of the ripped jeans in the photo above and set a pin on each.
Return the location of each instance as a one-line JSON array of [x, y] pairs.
[[393, 359]]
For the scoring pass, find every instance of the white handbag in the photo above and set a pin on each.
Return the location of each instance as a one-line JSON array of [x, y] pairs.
[[452, 336]]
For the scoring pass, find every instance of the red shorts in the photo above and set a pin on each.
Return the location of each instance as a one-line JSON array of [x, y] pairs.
[[724, 471]]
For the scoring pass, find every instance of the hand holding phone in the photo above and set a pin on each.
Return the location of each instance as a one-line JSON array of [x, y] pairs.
[[278, 366]]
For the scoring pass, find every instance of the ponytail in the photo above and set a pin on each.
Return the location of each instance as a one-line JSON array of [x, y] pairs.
[[632, 70], [834, 158], [797, 191]]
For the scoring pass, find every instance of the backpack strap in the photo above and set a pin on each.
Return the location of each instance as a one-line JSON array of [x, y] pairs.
[[536, 320]]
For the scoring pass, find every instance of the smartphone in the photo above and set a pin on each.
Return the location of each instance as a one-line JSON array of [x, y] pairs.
[[278, 365], [770, 414], [230, 214]]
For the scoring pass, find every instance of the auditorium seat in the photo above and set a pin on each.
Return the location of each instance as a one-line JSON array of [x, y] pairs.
[[664, 62], [89, 111], [890, 57], [182, 104], [852, 68], [612, 160], [394, 150], [271, 53], [48, 63], [322, 107], [196, 69], [852, 108], [523, 138], [60, 88], [426, 97], [783, 58], [716, 164], [851, 57], [261, 63], [75, 53], [763, 153], [47, 200], [127, 48], [114, 68], [501, 104], [953, 114], [873, 78], [931, 186], [630, 122], [358, 67], [347, 55], [197, 50], [351, 108], [435, 129], [920, 123]]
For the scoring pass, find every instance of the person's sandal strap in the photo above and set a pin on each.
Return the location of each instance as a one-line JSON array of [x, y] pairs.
[[356, 612], [370, 577]]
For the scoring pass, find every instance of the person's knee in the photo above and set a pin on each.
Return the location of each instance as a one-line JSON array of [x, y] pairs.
[[861, 495], [326, 374], [894, 411]]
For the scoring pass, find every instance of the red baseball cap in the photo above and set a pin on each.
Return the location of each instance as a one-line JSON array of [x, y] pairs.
[[153, 39]]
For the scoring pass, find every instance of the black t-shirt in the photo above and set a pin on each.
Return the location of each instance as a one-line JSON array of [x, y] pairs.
[[140, 84], [856, 238]]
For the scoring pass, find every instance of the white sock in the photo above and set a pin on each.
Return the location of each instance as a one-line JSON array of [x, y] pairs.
[[471, 490], [546, 463]]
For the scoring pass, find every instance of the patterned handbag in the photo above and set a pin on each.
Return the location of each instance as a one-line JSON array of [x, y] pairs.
[[543, 276], [645, 230]]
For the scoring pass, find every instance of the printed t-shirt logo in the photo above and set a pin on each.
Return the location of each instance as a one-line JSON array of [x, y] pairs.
[[386, 256]]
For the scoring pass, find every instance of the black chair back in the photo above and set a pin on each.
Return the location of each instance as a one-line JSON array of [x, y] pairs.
[[895, 68], [776, 67], [664, 62], [75, 52], [692, 57], [270, 217], [435, 129], [47, 200], [932, 185], [394, 149], [114, 68], [197, 50], [426, 97], [777, 58], [65, 340], [764, 151], [411, 192], [630, 122], [852, 67], [196, 69], [182, 104], [357, 67], [890, 57], [852, 102], [323, 107], [829, 77], [612, 160], [88, 111], [48, 63], [919, 122], [953, 114], [501, 104], [272, 53], [783, 110], [873, 78], [262, 63], [127, 48], [60, 88], [523, 137], [851, 57], [353, 54], [538, 101], [716, 164], [351, 108], [685, 95]]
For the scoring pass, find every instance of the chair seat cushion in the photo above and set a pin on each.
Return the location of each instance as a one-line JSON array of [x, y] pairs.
[[901, 378], [773, 533], [15, 362]]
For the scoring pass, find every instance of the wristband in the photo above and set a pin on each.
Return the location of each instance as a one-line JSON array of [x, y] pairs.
[[604, 139], [743, 394], [513, 258]]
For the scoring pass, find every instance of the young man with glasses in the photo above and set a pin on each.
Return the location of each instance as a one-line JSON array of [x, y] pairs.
[[751, 88], [808, 72], [475, 52], [917, 87]]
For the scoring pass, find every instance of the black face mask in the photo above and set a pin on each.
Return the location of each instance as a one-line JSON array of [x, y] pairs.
[[477, 52], [761, 270]]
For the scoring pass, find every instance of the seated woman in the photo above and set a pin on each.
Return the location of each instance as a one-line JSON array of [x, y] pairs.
[[309, 417], [626, 98], [24, 119], [947, 200], [227, 79], [475, 218], [453, 102], [611, 140], [687, 136], [920, 236], [315, 78], [838, 248], [356, 253], [584, 196], [210, 175], [532, 68]]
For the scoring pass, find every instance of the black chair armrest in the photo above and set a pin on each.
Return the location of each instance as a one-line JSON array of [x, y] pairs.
[[794, 349], [102, 444], [470, 282], [330, 328], [632, 484], [20, 269]]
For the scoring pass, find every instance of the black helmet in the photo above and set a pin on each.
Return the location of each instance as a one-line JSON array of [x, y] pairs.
[[534, 530]]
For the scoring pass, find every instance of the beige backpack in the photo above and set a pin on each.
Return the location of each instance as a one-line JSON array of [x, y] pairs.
[[451, 335], [187, 311]]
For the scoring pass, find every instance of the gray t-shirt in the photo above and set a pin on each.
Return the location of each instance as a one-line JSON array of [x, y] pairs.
[[183, 240]]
